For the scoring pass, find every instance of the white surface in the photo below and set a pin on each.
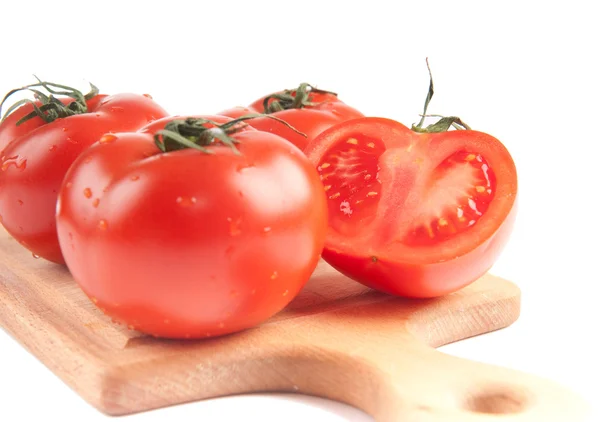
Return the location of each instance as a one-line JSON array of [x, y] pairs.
[[525, 72]]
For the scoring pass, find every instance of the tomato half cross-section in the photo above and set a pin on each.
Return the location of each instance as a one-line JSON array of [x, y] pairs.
[[189, 229], [414, 214], [307, 109], [40, 140]]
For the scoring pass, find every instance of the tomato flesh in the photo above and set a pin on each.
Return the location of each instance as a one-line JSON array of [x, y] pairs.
[[350, 176], [461, 190]]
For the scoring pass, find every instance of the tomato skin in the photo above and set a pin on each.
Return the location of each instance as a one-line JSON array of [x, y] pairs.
[[189, 245], [375, 255], [36, 156], [311, 120], [419, 280]]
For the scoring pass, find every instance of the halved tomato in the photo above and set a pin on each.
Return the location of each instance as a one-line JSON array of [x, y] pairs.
[[414, 214]]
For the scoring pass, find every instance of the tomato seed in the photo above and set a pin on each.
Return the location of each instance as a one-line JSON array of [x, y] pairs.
[[87, 192], [103, 225], [274, 275]]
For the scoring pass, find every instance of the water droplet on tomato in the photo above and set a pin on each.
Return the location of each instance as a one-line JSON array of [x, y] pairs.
[[87, 192], [108, 138], [72, 141], [185, 201], [35, 256], [266, 229], [274, 275], [147, 96], [52, 148], [16, 161], [286, 293], [69, 185], [103, 225], [64, 129], [88, 160], [234, 226], [134, 178], [117, 109], [243, 167]]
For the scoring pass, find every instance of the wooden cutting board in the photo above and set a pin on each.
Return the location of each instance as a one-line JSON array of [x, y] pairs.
[[337, 340]]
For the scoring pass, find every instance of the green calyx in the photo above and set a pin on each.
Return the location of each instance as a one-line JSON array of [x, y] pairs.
[[193, 133], [292, 98], [442, 125], [50, 107]]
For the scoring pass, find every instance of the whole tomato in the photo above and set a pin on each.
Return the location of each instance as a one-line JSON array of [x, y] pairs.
[[189, 228], [38, 143], [307, 109]]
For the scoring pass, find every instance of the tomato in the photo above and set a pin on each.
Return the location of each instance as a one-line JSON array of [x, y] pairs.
[[187, 243], [414, 214], [307, 109], [36, 155]]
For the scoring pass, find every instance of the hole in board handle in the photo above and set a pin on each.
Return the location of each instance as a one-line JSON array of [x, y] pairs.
[[497, 401]]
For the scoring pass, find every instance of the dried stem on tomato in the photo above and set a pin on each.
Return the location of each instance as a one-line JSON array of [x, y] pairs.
[[442, 125]]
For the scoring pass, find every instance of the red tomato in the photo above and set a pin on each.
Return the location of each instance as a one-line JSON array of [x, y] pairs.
[[188, 244], [414, 214], [307, 109], [36, 155]]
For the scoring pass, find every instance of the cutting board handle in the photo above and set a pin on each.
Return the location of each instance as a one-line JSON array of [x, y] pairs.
[[436, 387]]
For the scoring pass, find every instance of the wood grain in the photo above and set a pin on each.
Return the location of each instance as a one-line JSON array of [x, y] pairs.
[[337, 340]]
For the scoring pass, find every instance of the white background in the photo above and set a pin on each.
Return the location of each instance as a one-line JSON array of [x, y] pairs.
[[525, 72]]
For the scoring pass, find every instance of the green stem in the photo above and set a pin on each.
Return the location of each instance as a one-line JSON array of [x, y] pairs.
[[193, 133], [292, 98], [50, 108], [442, 125]]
